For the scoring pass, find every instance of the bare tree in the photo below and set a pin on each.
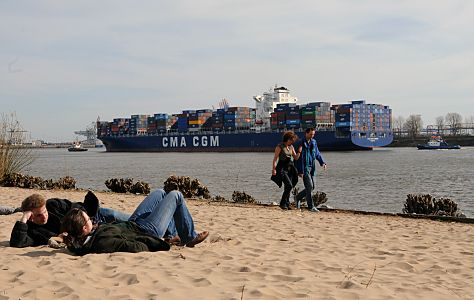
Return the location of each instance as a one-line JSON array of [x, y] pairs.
[[454, 121], [440, 124], [398, 124], [469, 121], [14, 156], [413, 125]]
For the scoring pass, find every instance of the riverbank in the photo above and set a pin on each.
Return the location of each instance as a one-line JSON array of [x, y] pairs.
[[463, 141], [254, 252]]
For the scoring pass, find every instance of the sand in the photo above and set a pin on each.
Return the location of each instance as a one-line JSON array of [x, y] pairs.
[[253, 253]]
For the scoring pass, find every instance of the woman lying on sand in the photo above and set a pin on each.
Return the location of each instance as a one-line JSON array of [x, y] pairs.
[[158, 214]]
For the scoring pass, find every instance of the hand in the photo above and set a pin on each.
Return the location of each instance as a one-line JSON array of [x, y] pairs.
[[26, 216], [274, 172], [59, 238], [325, 167]]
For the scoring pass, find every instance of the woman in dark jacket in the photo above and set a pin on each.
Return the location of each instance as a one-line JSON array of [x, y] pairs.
[[285, 171], [142, 232]]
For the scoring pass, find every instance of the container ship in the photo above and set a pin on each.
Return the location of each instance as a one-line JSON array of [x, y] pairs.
[[356, 125]]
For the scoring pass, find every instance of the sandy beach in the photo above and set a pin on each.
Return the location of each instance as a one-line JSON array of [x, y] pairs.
[[253, 252]]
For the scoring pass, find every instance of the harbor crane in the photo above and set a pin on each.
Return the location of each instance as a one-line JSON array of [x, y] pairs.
[[90, 133]]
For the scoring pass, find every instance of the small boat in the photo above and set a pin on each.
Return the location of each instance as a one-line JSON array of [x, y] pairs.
[[77, 147], [436, 143]]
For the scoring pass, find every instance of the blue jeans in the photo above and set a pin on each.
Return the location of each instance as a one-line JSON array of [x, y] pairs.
[[108, 215], [308, 182], [161, 214]]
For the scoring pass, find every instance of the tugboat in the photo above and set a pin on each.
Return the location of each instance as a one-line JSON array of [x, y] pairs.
[[435, 143], [76, 147]]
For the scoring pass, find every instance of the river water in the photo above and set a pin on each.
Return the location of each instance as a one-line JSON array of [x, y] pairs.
[[377, 180]]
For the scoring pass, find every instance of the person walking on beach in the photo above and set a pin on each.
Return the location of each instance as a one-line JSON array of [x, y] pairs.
[[284, 172], [41, 219], [142, 232], [306, 164]]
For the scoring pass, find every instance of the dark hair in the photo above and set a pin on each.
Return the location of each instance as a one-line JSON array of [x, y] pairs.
[[72, 223], [33, 201], [289, 135], [309, 129]]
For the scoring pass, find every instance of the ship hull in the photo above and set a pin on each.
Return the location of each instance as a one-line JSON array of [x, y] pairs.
[[428, 147], [229, 142]]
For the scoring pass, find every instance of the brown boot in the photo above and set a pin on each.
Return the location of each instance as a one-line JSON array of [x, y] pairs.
[[198, 239]]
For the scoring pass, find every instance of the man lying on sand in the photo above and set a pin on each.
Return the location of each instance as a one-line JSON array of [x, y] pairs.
[[41, 218], [144, 230]]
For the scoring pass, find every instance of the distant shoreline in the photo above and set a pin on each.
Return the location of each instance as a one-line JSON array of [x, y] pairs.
[[463, 141]]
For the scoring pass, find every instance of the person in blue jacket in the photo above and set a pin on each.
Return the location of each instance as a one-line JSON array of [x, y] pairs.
[[306, 165]]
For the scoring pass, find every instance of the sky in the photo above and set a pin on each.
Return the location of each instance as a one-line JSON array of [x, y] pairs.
[[63, 64]]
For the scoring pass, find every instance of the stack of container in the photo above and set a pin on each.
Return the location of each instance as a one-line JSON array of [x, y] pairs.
[[343, 115], [151, 126], [217, 119], [237, 118], [183, 120], [198, 118], [120, 126], [359, 116], [103, 128], [315, 113], [293, 117], [285, 115], [157, 124], [172, 122], [138, 124]]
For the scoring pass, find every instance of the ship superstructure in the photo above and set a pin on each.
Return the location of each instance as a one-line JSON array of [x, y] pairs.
[[266, 103]]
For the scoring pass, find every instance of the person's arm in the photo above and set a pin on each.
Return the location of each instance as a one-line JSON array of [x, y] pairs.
[[299, 162], [19, 237], [275, 158], [296, 155], [319, 158]]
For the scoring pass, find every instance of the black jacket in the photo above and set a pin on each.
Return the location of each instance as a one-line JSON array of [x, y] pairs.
[[30, 234], [292, 173], [120, 237]]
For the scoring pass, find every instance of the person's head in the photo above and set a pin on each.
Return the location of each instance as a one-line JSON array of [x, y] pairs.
[[37, 205], [77, 224], [289, 137], [309, 133]]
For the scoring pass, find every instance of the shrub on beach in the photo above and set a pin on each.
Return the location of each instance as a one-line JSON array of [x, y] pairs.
[[319, 198], [428, 205], [31, 182], [242, 197], [218, 198], [190, 188], [126, 185], [14, 156]]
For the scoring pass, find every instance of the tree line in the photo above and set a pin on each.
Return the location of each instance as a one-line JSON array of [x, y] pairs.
[[450, 124]]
